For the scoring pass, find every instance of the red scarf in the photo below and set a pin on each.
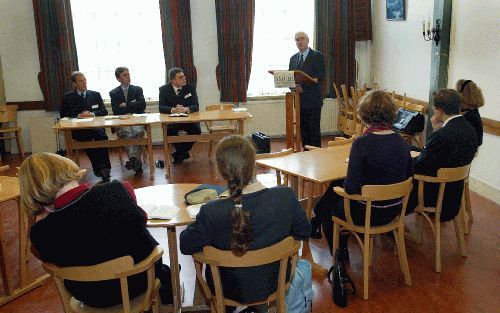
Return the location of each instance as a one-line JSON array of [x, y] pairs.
[[378, 128]]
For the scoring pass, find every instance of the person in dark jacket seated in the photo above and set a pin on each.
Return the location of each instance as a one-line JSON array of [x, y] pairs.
[[253, 217], [379, 157], [129, 99], [452, 144], [87, 226], [472, 100]]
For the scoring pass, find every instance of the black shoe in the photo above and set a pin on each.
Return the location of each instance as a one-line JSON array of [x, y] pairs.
[[186, 156], [137, 165], [139, 172], [178, 158], [344, 254], [105, 174], [316, 228], [130, 164]]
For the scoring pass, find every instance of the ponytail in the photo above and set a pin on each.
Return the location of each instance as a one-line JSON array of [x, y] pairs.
[[240, 220]]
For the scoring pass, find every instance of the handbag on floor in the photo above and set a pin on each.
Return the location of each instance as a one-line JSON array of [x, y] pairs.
[[340, 281]]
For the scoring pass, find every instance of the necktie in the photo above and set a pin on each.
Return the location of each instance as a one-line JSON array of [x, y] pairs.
[[179, 91], [301, 61], [125, 93], [82, 98]]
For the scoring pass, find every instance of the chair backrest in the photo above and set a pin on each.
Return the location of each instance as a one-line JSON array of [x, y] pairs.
[[371, 193], [220, 107], [261, 156], [444, 176], [340, 141], [339, 99], [345, 94], [215, 258], [8, 114], [119, 268]]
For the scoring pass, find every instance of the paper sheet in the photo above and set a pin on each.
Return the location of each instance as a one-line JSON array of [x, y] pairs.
[[160, 211], [194, 209]]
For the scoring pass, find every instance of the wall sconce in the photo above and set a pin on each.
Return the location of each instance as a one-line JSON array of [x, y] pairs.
[[432, 34]]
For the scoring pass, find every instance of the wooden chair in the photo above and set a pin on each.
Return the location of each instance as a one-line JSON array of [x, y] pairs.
[[119, 268], [370, 193], [350, 111], [281, 180], [444, 176], [8, 115], [467, 206], [215, 258], [342, 112], [356, 97], [230, 128]]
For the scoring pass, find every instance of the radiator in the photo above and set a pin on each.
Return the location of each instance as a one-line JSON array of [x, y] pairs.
[[42, 137]]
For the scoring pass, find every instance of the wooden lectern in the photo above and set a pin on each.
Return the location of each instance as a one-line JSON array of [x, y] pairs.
[[292, 109]]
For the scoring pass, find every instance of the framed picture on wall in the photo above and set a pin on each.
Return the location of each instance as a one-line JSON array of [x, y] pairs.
[[395, 10]]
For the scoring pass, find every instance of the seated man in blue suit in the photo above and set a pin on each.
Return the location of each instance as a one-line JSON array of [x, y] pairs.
[[179, 97], [128, 99], [84, 103]]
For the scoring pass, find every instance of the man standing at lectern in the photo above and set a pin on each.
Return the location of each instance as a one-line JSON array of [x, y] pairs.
[[312, 63]]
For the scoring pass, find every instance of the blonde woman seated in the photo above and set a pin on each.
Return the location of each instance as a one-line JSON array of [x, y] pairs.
[[379, 157], [252, 218], [87, 225], [472, 100]]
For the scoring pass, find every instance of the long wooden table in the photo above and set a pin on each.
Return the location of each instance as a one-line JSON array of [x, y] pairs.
[[171, 194], [199, 117], [146, 120], [9, 190]]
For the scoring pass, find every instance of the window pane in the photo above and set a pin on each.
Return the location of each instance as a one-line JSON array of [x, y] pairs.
[[114, 33], [276, 23]]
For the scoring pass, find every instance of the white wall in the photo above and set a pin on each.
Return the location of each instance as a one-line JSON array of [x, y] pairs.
[[475, 55], [400, 56]]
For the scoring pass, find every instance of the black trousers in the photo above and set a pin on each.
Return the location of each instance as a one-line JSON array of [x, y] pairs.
[[310, 126], [99, 157], [190, 129]]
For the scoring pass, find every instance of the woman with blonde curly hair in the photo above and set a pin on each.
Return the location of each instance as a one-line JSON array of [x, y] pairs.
[[472, 100], [378, 157], [87, 225]]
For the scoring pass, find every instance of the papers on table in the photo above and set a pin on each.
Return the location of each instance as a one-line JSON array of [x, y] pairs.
[[160, 211], [111, 117], [240, 109], [140, 115], [178, 115], [194, 209], [79, 120]]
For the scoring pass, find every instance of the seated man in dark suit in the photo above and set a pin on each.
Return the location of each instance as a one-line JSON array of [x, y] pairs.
[[179, 97], [452, 144], [84, 103], [129, 99]]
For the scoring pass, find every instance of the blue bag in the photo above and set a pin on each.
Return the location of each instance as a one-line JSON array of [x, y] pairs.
[[299, 296]]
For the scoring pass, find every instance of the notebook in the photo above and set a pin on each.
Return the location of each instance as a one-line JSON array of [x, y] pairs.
[[194, 209], [240, 109], [160, 211]]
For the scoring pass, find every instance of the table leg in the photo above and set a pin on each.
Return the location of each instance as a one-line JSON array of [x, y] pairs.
[[69, 143], [174, 268], [150, 153], [166, 151], [241, 127], [7, 284], [23, 271]]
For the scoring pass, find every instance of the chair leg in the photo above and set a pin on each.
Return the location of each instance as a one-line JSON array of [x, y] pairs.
[[465, 216], [120, 155], [335, 245], [366, 266], [396, 248], [437, 240], [459, 233], [155, 307], [371, 249], [468, 206], [19, 141], [403, 260], [420, 229]]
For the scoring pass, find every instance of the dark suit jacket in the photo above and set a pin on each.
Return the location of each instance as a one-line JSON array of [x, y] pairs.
[[314, 66], [135, 100], [451, 146], [474, 118], [73, 105], [187, 98], [275, 214]]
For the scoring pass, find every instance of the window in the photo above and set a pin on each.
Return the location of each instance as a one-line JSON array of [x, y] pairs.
[[116, 33], [276, 23]]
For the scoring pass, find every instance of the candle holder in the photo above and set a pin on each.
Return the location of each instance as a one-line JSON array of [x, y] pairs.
[[433, 34]]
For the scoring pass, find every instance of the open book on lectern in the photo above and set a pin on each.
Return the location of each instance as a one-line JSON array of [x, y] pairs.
[[288, 79]]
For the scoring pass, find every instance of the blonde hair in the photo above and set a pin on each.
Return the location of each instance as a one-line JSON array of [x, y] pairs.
[[472, 96], [235, 157], [41, 176]]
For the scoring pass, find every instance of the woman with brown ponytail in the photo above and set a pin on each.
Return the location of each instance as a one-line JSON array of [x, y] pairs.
[[253, 217], [472, 100]]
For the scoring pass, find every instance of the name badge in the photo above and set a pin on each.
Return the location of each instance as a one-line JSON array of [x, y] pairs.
[[95, 106], [188, 95]]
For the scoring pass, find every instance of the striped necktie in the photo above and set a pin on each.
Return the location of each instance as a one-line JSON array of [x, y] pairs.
[[301, 61]]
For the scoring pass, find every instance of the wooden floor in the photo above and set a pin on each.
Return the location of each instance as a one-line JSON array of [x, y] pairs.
[[468, 284]]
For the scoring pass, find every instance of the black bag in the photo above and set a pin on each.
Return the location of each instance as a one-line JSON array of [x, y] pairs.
[[339, 279], [408, 122], [262, 142]]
